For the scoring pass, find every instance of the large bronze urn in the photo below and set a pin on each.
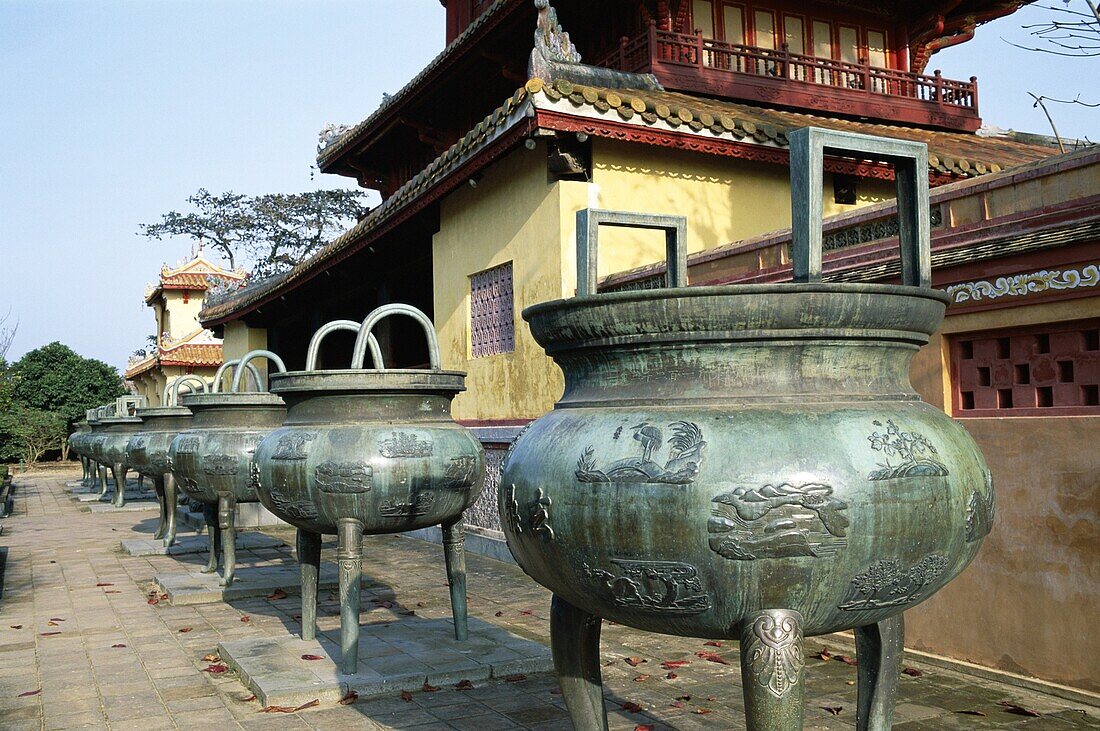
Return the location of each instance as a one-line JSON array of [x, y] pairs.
[[369, 451], [110, 451], [77, 443], [211, 460], [147, 450], [746, 462], [93, 445]]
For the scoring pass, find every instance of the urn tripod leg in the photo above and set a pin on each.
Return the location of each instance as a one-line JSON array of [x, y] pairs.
[[227, 514], [309, 567], [102, 481], [349, 555], [210, 515], [118, 469], [158, 488], [772, 664], [575, 643], [83, 471], [141, 482], [171, 502], [454, 553], [879, 650]]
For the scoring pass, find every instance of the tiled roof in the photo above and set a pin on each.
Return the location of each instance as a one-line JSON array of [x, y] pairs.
[[191, 275], [952, 154], [202, 354]]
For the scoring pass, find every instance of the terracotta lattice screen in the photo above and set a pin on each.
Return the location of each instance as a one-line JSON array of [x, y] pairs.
[[1042, 371], [492, 315]]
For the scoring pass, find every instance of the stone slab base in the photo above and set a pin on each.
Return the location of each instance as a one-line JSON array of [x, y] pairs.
[[249, 515], [130, 507], [134, 494], [194, 544], [198, 588], [393, 656]]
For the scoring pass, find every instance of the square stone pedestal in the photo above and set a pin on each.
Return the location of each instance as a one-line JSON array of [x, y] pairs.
[[131, 506], [246, 541], [198, 588], [393, 656]]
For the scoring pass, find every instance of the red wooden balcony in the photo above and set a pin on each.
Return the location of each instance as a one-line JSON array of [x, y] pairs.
[[693, 64]]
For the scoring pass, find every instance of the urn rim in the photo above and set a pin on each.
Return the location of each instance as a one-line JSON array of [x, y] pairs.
[[163, 412], [366, 381], [228, 400]]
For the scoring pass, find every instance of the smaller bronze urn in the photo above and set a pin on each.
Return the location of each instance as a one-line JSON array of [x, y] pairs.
[[110, 450], [147, 451], [212, 460], [369, 451], [77, 441]]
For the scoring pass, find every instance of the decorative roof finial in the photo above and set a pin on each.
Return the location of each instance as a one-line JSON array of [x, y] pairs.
[[552, 43]]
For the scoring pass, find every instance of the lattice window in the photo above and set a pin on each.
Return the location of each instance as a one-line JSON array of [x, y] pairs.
[[1042, 371], [492, 320]]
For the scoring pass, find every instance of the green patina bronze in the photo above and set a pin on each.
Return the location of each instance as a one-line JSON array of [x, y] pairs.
[[746, 462], [369, 451], [110, 437], [211, 460], [77, 441]]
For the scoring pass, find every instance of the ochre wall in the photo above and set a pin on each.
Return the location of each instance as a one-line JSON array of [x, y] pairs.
[[238, 340], [1030, 601], [512, 215], [182, 317]]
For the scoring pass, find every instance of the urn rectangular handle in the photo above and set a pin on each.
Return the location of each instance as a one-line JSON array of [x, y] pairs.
[[589, 221], [809, 146]]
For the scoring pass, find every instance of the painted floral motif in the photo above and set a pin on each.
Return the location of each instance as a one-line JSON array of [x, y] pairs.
[[684, 458], [1019, 285], [914, 455]]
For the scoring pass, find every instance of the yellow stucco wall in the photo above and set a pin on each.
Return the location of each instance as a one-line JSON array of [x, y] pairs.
[[238, 340], [181, 318]]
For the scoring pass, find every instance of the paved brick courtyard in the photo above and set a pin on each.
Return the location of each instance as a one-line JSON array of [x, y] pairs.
[[83, 645]]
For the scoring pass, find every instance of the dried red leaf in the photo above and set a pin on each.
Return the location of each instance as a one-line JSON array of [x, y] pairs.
[[112, 591], [30, 693], [215, 669], [350, 698], [912, 672], [631, 707], [246, 618], [48, 634], [526, 612], [499, 614], [701, 711], [671, 675], [185, 630], [516, 678], [429, 688], [312, 657], [641, 678], [1018, 710], [677, 704], [463, 685], [634, 661], [17, 626], [153, 600], [406, 696], [711, 657], [824, 654], [674, 664], [833, 710], [644, 727], [278, 709], [56, 619], [970, 713], [847, 660], [277, 594], [212, 657], [118, 645], [163, 596], [104, 583], [712, 643], [311, 704]]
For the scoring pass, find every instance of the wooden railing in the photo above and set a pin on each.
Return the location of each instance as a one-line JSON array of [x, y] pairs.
[[654, 48]]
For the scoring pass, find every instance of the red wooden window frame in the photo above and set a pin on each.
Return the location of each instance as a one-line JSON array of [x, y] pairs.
[[1046, 370]]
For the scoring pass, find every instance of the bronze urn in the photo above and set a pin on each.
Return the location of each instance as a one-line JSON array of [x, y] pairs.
[[109, 445], [747, 462], [211, 461], [369, 451]]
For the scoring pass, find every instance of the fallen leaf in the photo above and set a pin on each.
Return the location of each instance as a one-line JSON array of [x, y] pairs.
[[429, 688], [711, 657], [526, 612], [311, 704], [1018, 710], [674, 664], [153, 600], [56, 619], [350, 698], [912, 672], [312, 657], [104, 583], [211, 658], [701, 711], [499, 614], [215, 669], [277, 594], [641, 678], [671, 675], [683, 697], [406, 696], [712, 643], [634, 661], [119, 645], [48, 634], [278, 709], [17, 626], [631, 707], [516, 678], [644, 727], [824, 654], [112, 591], [833, 710], [51, 623], [30, 692], [847, 660], [185, 630], [463, 685], [163, 596], [249, 699], [970, 713], [677, 704], [246, 618]]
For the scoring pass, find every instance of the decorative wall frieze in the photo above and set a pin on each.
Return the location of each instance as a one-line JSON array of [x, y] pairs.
[[1022, 285]]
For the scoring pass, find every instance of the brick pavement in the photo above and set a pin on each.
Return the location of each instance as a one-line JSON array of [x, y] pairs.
[[82, 647]]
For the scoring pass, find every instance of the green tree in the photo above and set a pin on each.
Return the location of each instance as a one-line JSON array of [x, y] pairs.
[[56, 379], [27, 434], [267, 233]]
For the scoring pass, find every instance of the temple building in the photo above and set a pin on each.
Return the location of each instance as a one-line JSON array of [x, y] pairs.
[[537, 110], [183, 346]]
